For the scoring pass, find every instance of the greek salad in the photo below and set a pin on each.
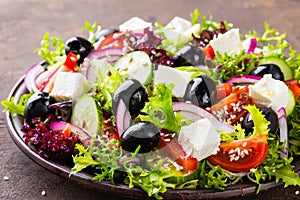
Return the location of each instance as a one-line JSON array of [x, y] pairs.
[[187, 105]]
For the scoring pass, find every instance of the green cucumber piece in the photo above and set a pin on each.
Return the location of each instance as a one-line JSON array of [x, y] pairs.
[[284, 67], [289, 109], [183, 178], [87, 114], [137, 65]]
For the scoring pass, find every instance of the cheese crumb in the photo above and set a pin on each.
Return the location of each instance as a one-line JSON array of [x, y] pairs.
[[43, 193]]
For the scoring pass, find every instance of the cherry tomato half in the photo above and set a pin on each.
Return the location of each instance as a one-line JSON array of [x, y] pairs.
[[208, 52], [115, 40], [241, 155], [223, 90], [169, 146]]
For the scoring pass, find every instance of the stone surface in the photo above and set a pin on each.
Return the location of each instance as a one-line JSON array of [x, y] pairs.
[[22, 26]]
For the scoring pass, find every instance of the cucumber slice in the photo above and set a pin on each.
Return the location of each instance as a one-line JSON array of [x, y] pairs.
[[181, 178], [137, 65], [285, 68], [87, 114], [289, 109]]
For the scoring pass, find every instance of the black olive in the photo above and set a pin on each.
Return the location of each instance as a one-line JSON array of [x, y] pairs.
[[189, 55], [270, 115], [133, 94], [201, 91], [79, 46], [143, 134], [273, 69], [105, 33], [38, 106]]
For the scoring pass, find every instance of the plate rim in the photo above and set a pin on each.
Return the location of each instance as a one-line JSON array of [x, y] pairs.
[[85, 179]]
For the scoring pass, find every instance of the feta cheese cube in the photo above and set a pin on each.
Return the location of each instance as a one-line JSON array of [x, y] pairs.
[[269, 92], [179, 24], [199, 139], [169, 75], [69, 86], [135, 24], [228, 42]]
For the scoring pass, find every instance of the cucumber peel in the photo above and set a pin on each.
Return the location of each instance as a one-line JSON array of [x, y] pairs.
[[87, 114], [289, 109], [284, 67]]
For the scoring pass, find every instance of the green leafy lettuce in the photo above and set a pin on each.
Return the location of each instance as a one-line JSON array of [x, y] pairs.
[[52, 50], [159, 108], [16, 108]]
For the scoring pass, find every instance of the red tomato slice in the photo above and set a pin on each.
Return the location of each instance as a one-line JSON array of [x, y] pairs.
[[223, 90], [170, 147], [241, 155], [296, 90], [115, 40], [209, 52]]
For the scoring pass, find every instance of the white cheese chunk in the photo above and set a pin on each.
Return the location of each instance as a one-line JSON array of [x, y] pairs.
[[179, 31], [136, 25], [199, 139], [228, 42], [169, 75], [179, 24], [69, 86], [269, 92]]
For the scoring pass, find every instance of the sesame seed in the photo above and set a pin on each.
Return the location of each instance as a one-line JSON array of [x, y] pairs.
[[231, 151], [273, 170], [237, 158], [241, 119], [246, 152], [296, 192], [167, 140], [43, 193], [242, 154], [6, 178], [244, 144]]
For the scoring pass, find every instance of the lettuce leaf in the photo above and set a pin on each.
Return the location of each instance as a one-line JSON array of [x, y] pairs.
[[16, 108], [260, 122], [52, 50], [159, 108]]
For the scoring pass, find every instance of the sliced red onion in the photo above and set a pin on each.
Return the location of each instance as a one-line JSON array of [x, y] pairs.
[[111, 55], [193, 112], [244, 79], [283, 127], [252, 45], [42, 77], [123, 118], [59, 126], [30, 77]]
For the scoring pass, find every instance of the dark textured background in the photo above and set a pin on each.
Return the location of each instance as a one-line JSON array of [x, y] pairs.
[[23, 24]]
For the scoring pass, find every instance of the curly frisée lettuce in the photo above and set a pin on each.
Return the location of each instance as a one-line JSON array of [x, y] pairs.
[[159, 108], [103, 157]]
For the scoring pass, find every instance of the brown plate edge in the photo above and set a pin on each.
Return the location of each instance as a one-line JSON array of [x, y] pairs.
[[84, 179]]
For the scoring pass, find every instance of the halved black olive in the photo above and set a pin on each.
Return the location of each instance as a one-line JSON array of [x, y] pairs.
[[143, 134], [79, 46], [133, 94], [38, 106], [201, 91], [272, 69], [270, 115], [189, 55]]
